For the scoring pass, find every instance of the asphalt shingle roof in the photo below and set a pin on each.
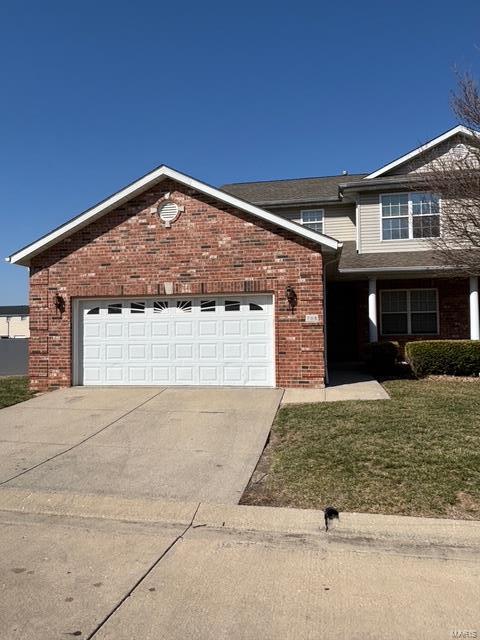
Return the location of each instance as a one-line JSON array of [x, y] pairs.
[[17, 310], [351, 260], [290, 191]]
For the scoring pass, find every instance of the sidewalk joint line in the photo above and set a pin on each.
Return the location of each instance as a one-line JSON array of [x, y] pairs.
[[143, 576]]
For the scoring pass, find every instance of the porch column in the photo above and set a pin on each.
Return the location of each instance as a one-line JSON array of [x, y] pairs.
[[372, 310], [474, 313]]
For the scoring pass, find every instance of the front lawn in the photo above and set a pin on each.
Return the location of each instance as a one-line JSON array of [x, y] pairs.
[[13, 390], [416, 454]]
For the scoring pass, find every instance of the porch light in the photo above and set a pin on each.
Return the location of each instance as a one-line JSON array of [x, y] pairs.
[[291, 296]]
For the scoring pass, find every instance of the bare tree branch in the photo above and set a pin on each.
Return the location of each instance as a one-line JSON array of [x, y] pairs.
[[454, 174]]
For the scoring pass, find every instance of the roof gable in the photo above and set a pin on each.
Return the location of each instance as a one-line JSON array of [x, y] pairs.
[[459, 130], [23, 256]]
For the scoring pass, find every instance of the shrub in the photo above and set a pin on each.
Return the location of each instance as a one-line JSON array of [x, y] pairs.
[[444, 357], [382, 357]]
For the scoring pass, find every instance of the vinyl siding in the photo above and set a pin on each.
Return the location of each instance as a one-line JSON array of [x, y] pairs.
[[339, 219], [370, 230], [426, 161]]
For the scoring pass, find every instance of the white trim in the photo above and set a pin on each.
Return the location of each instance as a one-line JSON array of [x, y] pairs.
[[412, 154], [474, 310], [357, 225], [408, 311], [23, 255], [319, 210], [372, 310], [409, 215]]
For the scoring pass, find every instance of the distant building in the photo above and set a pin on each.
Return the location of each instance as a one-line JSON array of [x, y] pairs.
[[14, 322]]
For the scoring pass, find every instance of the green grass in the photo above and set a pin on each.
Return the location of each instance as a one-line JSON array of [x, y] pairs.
[[416, 454], [13, 390]]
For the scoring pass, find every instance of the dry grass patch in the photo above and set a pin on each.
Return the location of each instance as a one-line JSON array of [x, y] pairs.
[[13, 390], [416, 454]]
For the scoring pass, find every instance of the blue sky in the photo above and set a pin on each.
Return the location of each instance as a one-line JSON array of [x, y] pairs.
[[95, 94]]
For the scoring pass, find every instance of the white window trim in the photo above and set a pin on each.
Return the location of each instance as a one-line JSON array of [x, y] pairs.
[[409, 215], [409, 312], [310, 222]]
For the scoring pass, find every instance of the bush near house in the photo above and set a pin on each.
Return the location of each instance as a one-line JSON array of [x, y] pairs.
[[444, 357], [382, 357]]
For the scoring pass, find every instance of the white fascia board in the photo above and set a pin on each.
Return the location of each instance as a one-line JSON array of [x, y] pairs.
[[24, 255], [438, 140]]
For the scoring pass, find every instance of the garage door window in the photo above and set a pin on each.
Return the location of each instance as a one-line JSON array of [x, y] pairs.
[[160, 306], [184, 306], [93, 312], [207, 305], [137, 307], [114, 308], [232, 305]]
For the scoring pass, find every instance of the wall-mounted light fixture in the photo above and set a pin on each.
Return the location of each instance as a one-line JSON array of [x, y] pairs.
[[60, 304], [291, 297]]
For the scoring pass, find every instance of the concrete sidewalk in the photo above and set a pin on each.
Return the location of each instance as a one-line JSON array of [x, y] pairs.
[[343, 386], [116, 568]]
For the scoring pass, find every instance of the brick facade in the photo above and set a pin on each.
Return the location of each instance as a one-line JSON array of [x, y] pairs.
[[211, 248], [453, 309]]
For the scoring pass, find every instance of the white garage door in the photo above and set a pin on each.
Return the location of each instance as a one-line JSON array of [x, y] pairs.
[[177, 341]]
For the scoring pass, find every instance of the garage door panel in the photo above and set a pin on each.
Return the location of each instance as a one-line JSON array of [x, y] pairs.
[[114, 375], [114, 352], [160, 329], [232, 328], [217, 341], [114, 330], [208, 351], [160, 351], [183, 328], [232, 350]]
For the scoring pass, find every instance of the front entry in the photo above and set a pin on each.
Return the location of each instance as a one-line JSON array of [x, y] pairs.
[[342, 325]]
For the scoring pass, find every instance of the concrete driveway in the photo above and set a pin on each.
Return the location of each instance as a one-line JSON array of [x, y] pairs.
[[175, 443]]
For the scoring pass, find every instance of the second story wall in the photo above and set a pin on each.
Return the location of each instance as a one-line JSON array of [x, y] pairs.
[[370, 228], [339, 219]]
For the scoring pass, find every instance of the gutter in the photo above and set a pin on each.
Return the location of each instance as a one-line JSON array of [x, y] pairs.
[[392, 269]]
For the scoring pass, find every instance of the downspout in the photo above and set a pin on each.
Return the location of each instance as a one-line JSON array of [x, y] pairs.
[[325, 348]]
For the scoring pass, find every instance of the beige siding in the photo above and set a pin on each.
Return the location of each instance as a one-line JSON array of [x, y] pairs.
[[371, 230], [14, 327], [431, 158], [339, 219]]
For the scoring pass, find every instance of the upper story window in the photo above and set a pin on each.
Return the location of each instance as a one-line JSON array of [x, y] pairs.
[[410, 215], [313, 219]]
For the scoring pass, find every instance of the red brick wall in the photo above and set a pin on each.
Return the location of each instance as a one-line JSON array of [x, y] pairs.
[[211, 248], [453, 307]]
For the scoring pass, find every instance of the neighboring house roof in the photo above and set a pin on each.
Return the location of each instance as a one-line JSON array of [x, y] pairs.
[[18, 310], [353, 262], [163, 172], [294, 191], [460, 129]]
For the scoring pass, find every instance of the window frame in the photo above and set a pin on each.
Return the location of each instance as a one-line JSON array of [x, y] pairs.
[[309, 223], [409, 215], [409, 311]]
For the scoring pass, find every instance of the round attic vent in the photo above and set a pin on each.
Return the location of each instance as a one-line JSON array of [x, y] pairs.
[[168, 212]]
